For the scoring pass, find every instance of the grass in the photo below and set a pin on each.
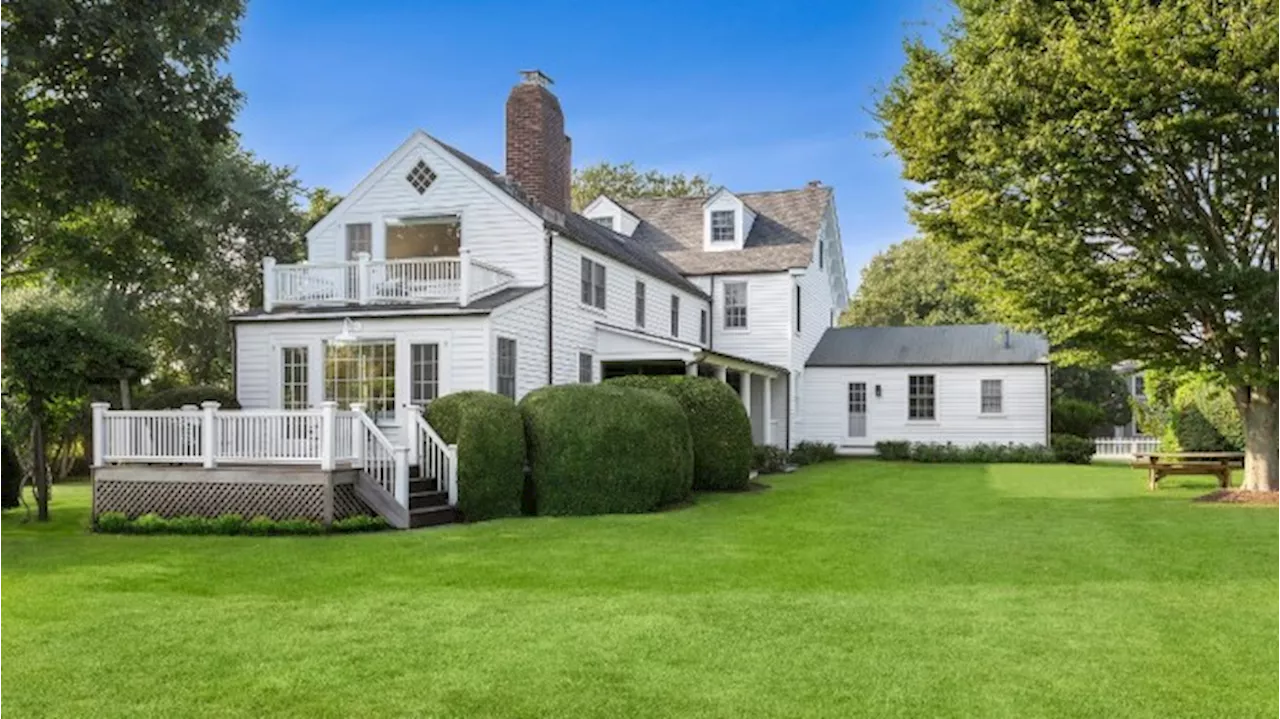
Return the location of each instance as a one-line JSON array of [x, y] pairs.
[[855, 588]]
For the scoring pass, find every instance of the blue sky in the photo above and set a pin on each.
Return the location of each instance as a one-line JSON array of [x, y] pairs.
[[757, 95]]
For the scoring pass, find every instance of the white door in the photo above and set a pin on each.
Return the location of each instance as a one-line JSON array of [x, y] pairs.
[[857, 409]]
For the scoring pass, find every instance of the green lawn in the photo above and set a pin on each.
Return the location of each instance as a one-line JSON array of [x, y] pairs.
[[850, 589]]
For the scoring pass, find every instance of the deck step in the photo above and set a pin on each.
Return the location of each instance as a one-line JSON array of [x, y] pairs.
[[422, 500], [431, 516], [418, 486]]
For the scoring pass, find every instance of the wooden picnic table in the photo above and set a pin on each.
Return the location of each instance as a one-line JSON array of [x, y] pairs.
[[1215, 464]]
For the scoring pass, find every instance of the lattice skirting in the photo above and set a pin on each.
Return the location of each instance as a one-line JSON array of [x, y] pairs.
[[140, 490]]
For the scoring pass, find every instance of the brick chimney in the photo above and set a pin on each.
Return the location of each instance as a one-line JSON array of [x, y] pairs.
[[538, 151]]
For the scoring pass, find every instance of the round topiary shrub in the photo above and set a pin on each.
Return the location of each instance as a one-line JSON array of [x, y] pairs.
[[177, 397], [490, 436], [718, 425], [601, 449]]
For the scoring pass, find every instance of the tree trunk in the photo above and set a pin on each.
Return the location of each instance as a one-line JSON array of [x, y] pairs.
[[126, 399], [1261, 445], [39, 472]]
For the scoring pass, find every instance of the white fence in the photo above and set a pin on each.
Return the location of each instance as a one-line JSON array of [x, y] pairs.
[[1124, 447], [364, 281]]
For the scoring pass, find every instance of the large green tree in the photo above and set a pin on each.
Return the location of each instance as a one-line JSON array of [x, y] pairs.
[[912, 283], [1108, 169], [111, 113], [625, 180]]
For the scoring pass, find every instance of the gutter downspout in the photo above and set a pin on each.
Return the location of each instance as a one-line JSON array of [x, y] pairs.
[[551, 345]]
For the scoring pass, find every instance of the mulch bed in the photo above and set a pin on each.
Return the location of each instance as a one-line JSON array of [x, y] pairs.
[[1239, 496]]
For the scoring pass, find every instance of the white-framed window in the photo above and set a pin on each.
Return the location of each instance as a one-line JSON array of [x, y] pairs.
[[359, 239], [992, 396], [586, 368], [507, 367], [735, 305], [592, 283], [920, 396], [639, 303], [424, 373], [702, 327], [722, 222], [675, 315], [294, 378], [362, 372], [606, 221], [857, 409]]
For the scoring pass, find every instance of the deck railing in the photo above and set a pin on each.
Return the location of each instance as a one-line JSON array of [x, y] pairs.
[[1124, 447], [437, 459], [367, 281]]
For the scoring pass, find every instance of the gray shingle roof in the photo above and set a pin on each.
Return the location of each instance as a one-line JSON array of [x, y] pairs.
[[942, 345], [781, 238], [588, 233]]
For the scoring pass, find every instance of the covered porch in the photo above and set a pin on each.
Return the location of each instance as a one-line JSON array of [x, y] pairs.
[[762, 387]]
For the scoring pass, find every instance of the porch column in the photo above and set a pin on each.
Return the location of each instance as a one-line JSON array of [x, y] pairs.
[[745, 391], [768, 410], [464, 277], [268, 283], [722, 373], [691, 369]]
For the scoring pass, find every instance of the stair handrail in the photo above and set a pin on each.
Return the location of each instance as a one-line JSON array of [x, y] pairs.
[[435, 456], [383, 462]]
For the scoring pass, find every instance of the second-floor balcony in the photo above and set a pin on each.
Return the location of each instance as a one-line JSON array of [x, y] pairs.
[[452, 280]]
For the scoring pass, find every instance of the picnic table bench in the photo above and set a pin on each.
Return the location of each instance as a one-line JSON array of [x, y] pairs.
[[1215, 464]]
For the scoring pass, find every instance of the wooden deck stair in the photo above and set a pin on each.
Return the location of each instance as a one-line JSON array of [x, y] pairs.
[[428, 505]]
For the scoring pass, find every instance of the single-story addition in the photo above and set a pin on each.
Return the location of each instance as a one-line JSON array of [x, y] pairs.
[[964, 384]]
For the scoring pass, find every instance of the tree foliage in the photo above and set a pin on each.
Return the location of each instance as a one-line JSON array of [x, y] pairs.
[[625, 180], [1099, 386], [1107, 170], [913, 282], [111, 114]]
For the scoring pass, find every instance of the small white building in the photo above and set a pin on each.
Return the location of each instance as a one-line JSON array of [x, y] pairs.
[[963, 384]]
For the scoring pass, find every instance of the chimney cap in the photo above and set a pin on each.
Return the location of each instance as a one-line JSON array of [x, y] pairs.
[[535, 77]]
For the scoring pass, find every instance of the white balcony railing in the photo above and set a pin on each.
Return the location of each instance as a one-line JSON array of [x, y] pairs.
[[366, 281]]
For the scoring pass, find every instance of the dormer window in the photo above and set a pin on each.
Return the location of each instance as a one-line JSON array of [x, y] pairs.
[[722, 229], [606, 221]]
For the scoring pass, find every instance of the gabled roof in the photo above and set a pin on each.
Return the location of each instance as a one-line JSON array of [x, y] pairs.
[[589, 234], [781, 238], [925, 346]]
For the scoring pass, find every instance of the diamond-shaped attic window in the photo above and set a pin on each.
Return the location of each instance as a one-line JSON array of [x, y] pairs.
[[421, 177]]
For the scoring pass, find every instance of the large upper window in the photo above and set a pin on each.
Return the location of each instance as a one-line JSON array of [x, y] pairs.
[[735, 305], [362, 372], [294, 378], [359, 239], [722, 226], [675, 315], [592, 283], [639, 303], [507, 367], [424, 379], [992, 396], [424, 237], [920, 396]]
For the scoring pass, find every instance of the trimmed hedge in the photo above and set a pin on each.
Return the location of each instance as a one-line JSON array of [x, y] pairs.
[[177, 397], [1076, 417], [894, 450], [807, 452], [230, 524], [1071, 449], [490, 436], [768, 459], [718, 425], [600, 449], [977, 453]]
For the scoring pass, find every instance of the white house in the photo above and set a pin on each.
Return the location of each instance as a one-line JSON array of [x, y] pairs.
[[437, 274], [963, 384]]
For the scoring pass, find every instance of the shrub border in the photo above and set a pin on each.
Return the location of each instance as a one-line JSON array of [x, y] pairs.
[[232, 525]]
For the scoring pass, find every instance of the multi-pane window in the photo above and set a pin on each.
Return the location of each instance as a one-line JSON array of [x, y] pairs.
[[424, 373], [920, 396], [293, 378], [507, 367], [1139, 386], [421, 177], [362, 372], [359, 239], [675, 316], [603, 221], [857, 409], [992, 396], [639, 304], [735, 305], [592, 283], [586, 368], [722, 226], [702, 327]]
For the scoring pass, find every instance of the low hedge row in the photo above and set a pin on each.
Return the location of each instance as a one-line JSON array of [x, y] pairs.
[[807, 452], [976, 453], [230, 524], [178, 397], [489, 432], [768, 459], [608, 448], [718, 427]]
